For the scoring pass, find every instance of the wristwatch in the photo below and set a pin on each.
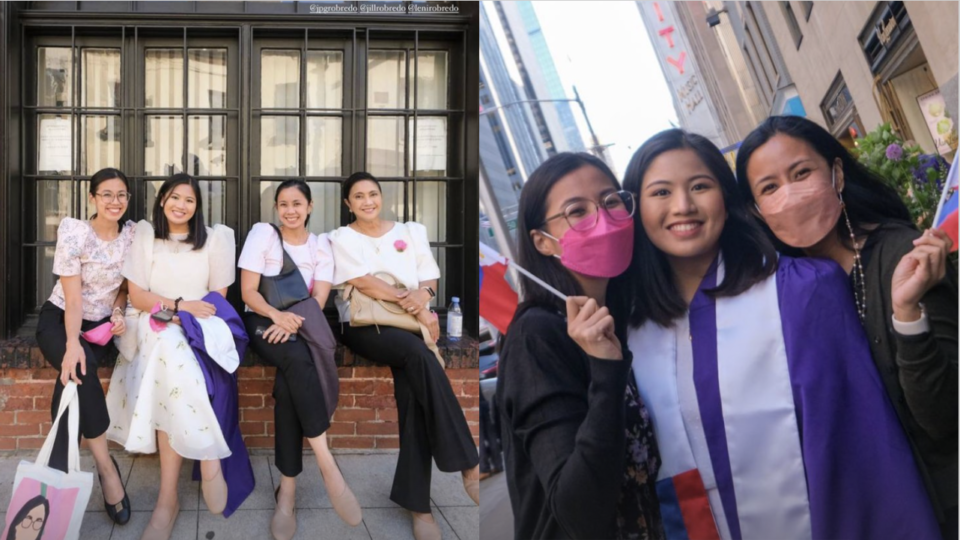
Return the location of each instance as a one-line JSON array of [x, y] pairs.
[[176, 305]]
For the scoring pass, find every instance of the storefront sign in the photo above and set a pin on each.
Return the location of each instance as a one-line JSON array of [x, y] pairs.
[[941, 126], [885, 32]]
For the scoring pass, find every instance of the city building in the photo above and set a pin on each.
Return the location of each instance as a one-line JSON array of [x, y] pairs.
[[859, 64], [243, 95], [710, 95]]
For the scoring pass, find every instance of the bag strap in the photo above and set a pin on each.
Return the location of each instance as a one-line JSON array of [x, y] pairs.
[[69, 400], [288, 264]]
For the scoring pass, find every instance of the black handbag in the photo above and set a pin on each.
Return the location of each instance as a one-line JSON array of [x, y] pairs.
[[286, 288]]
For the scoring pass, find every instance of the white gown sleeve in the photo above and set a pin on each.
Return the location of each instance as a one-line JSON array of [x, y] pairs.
[[222, 257], [253, 257], [70, 239], [427, 268], [140, 257], [347, 257]]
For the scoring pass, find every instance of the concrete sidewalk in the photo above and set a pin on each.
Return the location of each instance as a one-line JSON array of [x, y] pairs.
[[369, 475]]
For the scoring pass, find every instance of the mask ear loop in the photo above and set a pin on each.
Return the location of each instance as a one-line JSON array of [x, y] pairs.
[[550, 236]]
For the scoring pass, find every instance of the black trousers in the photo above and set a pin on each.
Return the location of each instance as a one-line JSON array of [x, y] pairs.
[[94, 418], [300, 410], [432, 425]]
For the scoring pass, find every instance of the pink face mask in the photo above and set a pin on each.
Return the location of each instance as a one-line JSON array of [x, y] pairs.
[[604, 251], [100, 335], [802, 213]]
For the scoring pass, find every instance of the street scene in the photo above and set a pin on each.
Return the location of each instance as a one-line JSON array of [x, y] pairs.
[[644, 163]]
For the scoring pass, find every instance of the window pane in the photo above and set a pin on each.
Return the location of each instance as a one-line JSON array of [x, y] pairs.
[[101, 143], [393, 204], [54, 76], [55, 144], [279, 146], [207, 78], [432, 209], [440, 255], [324, 138], [324, 79], [163, 155], [387, 80], [280, 79], [164, 76], [213, 193], [385, 140], [432, 80], [54, 202], [46, 279], [431, 146], [87, 207], [101, 78], [207, 140], [326, 205]]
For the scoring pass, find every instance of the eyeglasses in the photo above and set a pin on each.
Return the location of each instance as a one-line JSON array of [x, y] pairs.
[[28, 523], [109, 197], [583, 215]]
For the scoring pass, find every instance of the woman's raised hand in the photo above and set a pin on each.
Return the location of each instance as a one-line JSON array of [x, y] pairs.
[[591, 326]]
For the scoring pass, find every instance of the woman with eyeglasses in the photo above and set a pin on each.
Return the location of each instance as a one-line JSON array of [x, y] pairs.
[[580, 454], [90, 294], [769, 412]]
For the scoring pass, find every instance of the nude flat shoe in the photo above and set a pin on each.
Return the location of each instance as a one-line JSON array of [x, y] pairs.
[[153, 533], [424, 530], [215, 493], [347, 506], [283, 526]]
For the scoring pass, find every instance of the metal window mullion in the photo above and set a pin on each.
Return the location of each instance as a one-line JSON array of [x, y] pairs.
[[74, 121], [302, 154], [413, 145], [183, 150], [353, 109], [366, 98]]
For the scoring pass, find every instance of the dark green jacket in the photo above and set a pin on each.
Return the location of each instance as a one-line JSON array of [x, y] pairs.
[[919, 372]]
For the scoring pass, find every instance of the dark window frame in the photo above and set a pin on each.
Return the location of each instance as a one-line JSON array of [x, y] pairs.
[[792, 24]]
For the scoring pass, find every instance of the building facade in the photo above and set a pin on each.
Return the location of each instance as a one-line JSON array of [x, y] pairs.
[[242, 95], [858, 64]]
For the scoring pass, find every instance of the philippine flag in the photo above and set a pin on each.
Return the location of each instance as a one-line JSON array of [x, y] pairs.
[[946, 217], [498, 301]]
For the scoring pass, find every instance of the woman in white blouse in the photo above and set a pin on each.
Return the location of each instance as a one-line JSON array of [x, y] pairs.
[[157, 396], [432, 424], [90, 293], [303, 407]]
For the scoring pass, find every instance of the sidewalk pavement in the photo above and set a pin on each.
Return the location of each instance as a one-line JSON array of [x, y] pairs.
[[369, 475]]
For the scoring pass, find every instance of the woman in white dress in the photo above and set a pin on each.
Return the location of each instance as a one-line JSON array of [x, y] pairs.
[[157, 396], [432, 425]]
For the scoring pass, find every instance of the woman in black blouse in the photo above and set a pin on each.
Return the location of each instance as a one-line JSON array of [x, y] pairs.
[[580, 453], [904, 285]]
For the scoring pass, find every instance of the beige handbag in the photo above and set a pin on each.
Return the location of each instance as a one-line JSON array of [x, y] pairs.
[[367, 311]]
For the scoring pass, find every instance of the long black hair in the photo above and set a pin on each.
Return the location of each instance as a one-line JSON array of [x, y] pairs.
[[351, 181], [101, 176], [300, 185], [868, 200], [198, 230], [29, 506], [748, 255], [532, 212]]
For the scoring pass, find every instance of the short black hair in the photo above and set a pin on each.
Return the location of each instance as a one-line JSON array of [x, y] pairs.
[[161, 229], [532, 212], [294, 183], [867, 198], [109, 173], [748, 255], [352, 181]]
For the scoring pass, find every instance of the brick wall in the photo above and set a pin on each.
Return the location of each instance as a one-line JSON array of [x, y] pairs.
[[366, 416]]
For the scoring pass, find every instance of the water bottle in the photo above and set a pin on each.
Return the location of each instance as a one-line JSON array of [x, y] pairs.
[[454, 320]]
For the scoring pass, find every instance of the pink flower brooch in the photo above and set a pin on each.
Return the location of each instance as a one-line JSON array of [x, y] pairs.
[[400, 245]]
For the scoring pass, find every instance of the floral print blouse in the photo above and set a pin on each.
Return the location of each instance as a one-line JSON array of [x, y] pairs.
[[81, 252]]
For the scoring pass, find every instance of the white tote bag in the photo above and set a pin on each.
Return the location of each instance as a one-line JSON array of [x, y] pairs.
[[47, 503]]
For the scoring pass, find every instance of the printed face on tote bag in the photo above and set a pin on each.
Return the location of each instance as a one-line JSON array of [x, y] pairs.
[[43, 512]]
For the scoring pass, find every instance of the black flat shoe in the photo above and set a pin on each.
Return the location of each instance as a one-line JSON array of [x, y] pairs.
[[120, 512]]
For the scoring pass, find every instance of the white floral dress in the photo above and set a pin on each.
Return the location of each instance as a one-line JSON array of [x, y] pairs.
[[161, 387]]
